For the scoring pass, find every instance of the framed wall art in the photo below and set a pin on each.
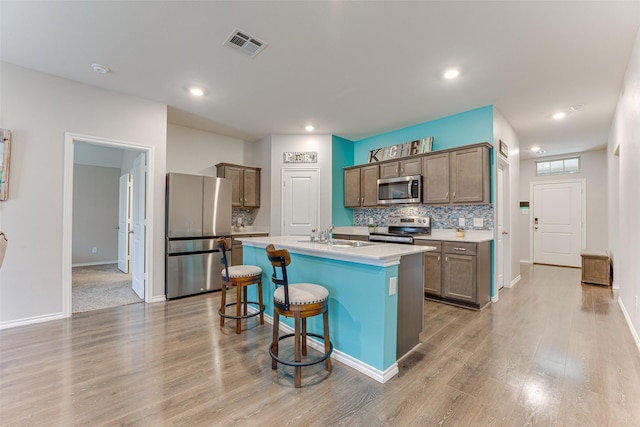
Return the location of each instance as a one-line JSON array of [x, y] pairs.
[[5, 158], [504, 149]]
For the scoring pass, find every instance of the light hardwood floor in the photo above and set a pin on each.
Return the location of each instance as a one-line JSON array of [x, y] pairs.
[[550, 352]]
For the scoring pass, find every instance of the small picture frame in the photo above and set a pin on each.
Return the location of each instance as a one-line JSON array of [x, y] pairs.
[[504, 149], [5, 159]]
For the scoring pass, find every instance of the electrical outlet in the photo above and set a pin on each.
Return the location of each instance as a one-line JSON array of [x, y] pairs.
[[94, 250], [461, 222], [478, 222], [392, 285]]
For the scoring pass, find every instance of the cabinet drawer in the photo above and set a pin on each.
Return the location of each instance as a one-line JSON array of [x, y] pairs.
[[461, 248]]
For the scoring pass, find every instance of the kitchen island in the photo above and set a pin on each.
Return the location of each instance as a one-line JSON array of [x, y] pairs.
[[375, 296]]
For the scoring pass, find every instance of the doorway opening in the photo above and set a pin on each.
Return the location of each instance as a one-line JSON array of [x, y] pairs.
[[104, 265]]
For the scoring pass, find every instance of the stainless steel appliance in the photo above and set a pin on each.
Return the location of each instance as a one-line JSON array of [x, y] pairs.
[[198, 213], [403, 189], [403, 229]]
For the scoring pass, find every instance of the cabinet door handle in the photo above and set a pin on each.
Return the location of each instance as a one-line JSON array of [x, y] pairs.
[[459, 249], [438, 259], [446, 195], [446, 259]]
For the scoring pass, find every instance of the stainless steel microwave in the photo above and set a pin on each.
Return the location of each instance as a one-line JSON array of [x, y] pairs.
[[404, 189]]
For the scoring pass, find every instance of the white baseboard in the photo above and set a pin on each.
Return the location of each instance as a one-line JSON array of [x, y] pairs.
[[525, 261], [615, 285], [514, 282], [161, 298], [495, 298], [368, 370], [634, 333], [86, 264], [31, 320]]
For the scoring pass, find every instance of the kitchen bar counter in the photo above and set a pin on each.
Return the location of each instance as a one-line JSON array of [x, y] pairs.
[[375, 297]]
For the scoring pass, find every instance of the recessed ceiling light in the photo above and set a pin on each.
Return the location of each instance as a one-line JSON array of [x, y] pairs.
[[99, 68], [541, 151], [309, 128], [559, 115], [451, 73], [535, 148], [196, 91]]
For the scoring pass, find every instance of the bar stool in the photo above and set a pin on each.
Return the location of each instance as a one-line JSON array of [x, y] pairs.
[[297, 300], [239, 276]]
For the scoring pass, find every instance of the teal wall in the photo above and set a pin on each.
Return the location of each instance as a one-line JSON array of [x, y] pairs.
[[460, 129], [341, 157]]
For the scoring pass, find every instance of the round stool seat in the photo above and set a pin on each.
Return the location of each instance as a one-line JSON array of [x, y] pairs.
[[240, 271], [302, 293]]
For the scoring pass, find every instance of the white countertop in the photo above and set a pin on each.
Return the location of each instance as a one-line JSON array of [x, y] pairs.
[[249, 229], [379, 254], [473, 236]]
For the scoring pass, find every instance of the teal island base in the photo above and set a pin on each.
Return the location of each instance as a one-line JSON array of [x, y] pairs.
[[375, 297]]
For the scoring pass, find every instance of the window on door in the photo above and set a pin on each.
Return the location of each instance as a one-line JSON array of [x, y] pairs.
[[558, 167]]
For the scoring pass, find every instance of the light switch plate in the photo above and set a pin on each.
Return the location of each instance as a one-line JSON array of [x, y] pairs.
[[392, 285], [478, 222]]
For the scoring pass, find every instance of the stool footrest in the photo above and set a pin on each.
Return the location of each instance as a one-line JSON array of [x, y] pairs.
[[245, 316], [307, 363]]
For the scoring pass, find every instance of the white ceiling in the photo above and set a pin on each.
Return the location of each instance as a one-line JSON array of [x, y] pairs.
[[354, 69]]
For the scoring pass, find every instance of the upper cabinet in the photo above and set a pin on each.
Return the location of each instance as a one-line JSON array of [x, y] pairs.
[[245, 188], [406, 167], [455, 175], [435, 179], [361, 186], [469, 175]]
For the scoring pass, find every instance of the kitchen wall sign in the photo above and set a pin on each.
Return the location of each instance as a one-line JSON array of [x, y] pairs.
[[300, 157], [5, 157], [419, 146]]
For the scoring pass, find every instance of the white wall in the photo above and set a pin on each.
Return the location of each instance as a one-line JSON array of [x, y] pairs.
[[278, 144], [197, 152], [39, 109], [624, 173], [95, 214], [502, 131], [593, 169]]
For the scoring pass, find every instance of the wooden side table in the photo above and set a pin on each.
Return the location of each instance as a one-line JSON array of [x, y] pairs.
[[596, 267]]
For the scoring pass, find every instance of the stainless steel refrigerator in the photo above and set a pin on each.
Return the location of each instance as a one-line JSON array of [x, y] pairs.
[[198, 213]]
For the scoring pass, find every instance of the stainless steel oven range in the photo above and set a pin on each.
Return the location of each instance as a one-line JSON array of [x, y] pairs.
[[403, 229]]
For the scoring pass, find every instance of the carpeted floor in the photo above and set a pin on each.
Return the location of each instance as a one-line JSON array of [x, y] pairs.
[[101, 286]]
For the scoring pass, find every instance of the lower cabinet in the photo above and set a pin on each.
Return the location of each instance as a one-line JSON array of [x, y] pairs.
[[458, 272]]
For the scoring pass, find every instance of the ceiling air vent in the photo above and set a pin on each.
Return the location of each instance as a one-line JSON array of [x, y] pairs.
[[245, 43]]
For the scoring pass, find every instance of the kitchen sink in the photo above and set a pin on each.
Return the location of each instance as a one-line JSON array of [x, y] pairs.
[[340, 243]]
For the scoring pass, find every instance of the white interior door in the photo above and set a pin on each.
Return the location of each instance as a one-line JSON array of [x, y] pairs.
[[138, 215], [300, 201], [500, 229], [124, 223], [557, 223]]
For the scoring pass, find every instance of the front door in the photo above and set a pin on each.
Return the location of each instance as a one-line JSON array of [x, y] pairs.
[[557, 223], [300, 194]]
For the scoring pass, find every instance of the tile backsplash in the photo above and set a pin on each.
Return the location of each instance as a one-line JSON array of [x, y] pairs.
[[247, 215], [441, 216]]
